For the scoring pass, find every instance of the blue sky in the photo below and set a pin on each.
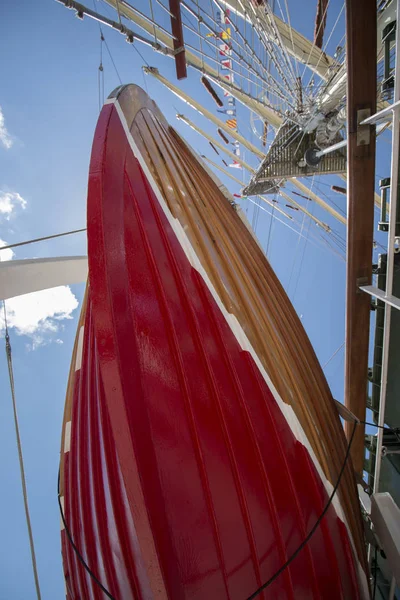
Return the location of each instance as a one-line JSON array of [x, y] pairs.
[[49, 102]]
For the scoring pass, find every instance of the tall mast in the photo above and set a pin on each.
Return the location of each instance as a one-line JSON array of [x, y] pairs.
[[298, 184], [361, 31]]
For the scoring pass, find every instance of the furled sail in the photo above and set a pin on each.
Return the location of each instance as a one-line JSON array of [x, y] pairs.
[[201, 442]]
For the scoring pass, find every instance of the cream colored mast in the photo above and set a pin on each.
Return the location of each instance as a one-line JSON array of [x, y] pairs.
[[293, 202], [215, 143], [324, 226], [251, 147], [207, 113], [228, 174], [248, 168]]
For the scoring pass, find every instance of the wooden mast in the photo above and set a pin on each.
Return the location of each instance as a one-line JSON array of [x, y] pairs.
[[179, 44], [361, 30]]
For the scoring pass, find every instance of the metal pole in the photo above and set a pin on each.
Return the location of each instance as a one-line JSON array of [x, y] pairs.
[[332, 148], [394, 175], [343, 143]]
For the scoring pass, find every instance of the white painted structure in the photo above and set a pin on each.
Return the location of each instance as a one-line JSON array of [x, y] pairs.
[[18, 277]]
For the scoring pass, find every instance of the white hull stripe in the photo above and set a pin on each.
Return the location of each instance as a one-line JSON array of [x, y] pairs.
[[78, 360], [67, 436]]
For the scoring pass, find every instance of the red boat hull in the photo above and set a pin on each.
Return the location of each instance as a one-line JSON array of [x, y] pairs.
[[185, 475]]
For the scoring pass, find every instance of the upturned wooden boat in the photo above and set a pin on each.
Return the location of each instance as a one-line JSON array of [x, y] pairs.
[[200, 442]]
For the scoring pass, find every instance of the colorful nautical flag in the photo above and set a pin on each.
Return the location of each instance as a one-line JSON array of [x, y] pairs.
[[223, 18], [226, 111], [225, 52], [226, 63]]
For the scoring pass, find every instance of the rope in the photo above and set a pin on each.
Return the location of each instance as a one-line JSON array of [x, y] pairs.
[[112, 60], [238, 59], [270, 230], [333, 355], [298, 241], [20, 457], [41, 239], [313, 242], [75, 549]]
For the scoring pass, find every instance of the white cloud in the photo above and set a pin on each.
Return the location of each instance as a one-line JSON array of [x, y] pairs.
[[9, 201], [5, 137], [5, 254], [39, 315]]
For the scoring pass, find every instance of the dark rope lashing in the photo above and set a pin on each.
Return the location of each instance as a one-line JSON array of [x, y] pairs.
[[100, 74], [339, 189], [292, 207], [75, 548], [222, 135], [214, 148], [320, 22], [211, 90], [302, 196], [265, 133], [225, 163]]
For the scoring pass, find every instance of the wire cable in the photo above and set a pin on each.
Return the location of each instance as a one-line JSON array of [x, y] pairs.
[[270, 230], [42, 239], [315, 527], [20, 456], [333, 355], [112, 60], [75, 549]]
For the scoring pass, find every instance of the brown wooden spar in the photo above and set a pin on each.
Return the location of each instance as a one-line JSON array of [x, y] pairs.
[[179, 44], [339, 189], [320, 22], [361, 101]]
